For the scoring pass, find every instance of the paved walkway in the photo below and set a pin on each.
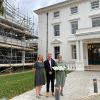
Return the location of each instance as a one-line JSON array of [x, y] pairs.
[[78, 85]]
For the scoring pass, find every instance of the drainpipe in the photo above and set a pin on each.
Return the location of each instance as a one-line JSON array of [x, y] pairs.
[[47, 37]]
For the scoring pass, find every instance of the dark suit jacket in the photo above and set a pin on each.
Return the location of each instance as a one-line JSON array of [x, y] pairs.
[[47, 67]]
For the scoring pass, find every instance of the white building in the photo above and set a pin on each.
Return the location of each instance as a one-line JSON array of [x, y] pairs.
[[73, 29]]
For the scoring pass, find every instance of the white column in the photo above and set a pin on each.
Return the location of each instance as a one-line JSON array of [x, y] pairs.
[[81, 56], [81, 51], [86, 54]]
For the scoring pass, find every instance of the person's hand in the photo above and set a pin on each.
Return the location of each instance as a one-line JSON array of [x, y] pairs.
[[50, 73]]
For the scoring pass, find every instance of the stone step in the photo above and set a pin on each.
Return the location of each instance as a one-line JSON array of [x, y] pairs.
[[92, 68]]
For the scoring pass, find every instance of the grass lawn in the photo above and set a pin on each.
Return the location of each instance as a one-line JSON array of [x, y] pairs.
[[15, 84]]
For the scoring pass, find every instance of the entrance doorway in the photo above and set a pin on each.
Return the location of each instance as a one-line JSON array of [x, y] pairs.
[[94, 54]]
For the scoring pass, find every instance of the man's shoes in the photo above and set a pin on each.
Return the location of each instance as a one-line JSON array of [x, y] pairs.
[[53, 94], [61, 93], [38, 96], [47, 94]]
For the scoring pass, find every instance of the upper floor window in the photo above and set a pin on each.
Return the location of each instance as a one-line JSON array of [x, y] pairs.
[[56, 51], [56, 30], [74, 10], [95, 21], [56, 14], [74, 26], [95, 4]]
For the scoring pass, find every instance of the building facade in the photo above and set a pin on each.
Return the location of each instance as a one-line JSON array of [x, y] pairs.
[[72, 29]]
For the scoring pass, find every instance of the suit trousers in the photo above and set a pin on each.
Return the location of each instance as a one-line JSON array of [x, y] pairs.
[[50, 79]]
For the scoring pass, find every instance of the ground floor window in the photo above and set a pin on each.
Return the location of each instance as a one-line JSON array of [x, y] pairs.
[[56, 51], [73, 49]]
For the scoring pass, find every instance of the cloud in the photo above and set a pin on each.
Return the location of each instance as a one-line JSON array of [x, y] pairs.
[[30, 5], [27, 6], [17, 2], [50, 2]]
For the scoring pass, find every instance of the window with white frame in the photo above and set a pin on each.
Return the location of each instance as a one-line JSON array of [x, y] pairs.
[[57, 30], [95, 4], [95, 21], [73, 49], [74, 10], [56, 14], [56, 51], [74, 26]]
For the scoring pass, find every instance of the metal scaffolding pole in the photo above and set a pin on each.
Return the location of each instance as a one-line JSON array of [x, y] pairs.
[[17, 28]]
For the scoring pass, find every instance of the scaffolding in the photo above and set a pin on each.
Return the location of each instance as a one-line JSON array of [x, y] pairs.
[[16, 31]]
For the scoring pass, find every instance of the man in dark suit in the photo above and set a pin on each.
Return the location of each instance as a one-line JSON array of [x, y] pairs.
[[50, 74]]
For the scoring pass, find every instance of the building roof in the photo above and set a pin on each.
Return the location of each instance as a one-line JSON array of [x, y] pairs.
[[57, 5]]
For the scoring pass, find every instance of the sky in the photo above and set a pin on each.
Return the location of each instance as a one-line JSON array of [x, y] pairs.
[[28, 6]]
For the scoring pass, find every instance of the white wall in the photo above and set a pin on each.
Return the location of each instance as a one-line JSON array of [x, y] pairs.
[[83, 16], [42, 34]]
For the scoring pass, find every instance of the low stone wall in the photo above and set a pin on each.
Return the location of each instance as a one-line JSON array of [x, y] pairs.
[[92, 97]]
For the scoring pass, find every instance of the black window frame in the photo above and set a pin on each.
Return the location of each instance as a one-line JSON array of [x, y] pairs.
[[56, 51], [74, 10], [57, 30], [96, 21], [95, 4], [73, 49], [73, 27], [56, 14]]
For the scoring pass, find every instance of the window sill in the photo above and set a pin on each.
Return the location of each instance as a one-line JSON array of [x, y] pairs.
[[56, 17], [56, 36], [71, 34], [74, 14], [94, 9]]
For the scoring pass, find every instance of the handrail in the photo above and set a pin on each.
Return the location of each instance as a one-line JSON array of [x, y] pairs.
[[71, 65]]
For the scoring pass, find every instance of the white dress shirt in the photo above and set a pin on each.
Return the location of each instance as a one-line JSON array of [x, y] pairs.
[[50, 63]]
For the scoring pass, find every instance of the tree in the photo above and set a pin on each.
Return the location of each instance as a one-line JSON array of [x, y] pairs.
[[1, 7]]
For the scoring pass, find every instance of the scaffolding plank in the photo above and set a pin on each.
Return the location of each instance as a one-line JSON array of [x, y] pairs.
[[9, 22], [5, 26], [16, 65], [16, 47]]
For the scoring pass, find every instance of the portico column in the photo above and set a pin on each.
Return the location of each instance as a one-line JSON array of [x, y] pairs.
[[81, 51]]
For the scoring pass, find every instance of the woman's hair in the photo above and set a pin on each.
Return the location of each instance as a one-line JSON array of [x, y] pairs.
[[40, 57]]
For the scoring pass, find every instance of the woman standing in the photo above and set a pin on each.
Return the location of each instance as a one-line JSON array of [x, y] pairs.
[[39, 77], [60, 75]]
